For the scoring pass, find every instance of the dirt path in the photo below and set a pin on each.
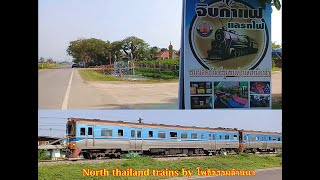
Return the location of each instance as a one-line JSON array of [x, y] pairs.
[[159, 95]]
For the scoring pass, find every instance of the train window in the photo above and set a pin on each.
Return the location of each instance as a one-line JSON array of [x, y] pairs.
[[106, 132], [263, 138], [220, 136], [202, 136], [161, 134], [120, 132], [235, 137], [173, 135], [82, 131], [150, 133], [226, 137], [257, 138], [269, 138], [133, 132], [210, 138], [90, 131], [245, 138], [253, 138], [213, 137], [278, 139], [184, 135], [274, 139], [138, 134], [194, 136]]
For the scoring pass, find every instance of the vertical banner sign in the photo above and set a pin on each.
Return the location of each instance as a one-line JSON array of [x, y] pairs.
[[226, 55]]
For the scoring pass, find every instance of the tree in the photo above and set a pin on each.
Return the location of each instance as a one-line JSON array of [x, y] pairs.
[[164, 49], [275, 3], [41, 60], [89, 51], [134, 47], [116, 49], [153, 52], [50, 60], [275, 45]]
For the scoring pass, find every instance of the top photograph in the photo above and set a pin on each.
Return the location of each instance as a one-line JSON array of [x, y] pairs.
[[159, 54]]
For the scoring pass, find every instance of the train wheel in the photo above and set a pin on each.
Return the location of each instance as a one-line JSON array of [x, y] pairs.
[[254, 151], [86, 155]]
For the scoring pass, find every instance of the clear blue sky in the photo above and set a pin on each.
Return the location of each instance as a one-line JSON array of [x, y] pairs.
[[264, 120], [156, 21]]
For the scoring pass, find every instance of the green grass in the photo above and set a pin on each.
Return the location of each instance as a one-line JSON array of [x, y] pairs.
[[239, 162], [43, 155], [161, 61], [46, 66], [92, 75], [158, 73], [276, 69]]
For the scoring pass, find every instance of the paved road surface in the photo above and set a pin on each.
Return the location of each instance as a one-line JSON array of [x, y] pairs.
[[268, 174], [52, 86], [63, 88]]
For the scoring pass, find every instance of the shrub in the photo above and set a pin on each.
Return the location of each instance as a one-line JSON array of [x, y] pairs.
[[43, 155]]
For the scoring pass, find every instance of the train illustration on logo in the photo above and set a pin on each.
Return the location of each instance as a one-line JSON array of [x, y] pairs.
[[228, 44]]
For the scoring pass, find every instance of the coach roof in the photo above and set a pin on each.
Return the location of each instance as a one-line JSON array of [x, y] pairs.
[[153, 125], [156, 125]]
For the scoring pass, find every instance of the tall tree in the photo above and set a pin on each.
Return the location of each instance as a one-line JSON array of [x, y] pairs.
[[164, 49], [275, 45], [89, 50], [116, 49], [153, 52], [41, 59], [134, 47]]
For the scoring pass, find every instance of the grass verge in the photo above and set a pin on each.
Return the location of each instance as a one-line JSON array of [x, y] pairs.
[[239, 162], [46, 66], [276, 69], [92, 75]]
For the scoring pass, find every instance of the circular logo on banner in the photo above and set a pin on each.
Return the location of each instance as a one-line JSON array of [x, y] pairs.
[[204, 29], [228, 35]]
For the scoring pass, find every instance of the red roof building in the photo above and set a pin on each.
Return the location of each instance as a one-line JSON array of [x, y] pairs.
[[165, 55]]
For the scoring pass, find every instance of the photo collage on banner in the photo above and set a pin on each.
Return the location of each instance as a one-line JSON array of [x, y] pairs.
[[227, 55]]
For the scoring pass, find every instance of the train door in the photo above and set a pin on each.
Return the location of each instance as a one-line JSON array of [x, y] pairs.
[[90, 136], [213, 140], [248, 141], [264, 142], [241, 144], [135, 139]]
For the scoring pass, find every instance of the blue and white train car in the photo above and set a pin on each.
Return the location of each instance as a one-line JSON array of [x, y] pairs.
[[103, 138], [258, 141]]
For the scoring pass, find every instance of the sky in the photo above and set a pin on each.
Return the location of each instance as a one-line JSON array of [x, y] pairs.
[[156, 21], [261, 120]]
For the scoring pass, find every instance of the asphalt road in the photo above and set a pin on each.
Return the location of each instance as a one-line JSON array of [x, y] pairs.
[[267, 174], [63, 88], [52, 86]]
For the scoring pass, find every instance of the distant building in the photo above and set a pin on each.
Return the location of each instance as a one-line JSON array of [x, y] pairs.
[[168, 53]]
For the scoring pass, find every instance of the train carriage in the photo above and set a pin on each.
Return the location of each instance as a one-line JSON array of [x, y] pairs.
[[258, 141], [93, 138]]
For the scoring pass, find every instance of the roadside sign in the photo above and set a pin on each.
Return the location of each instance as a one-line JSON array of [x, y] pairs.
[[225, 55]]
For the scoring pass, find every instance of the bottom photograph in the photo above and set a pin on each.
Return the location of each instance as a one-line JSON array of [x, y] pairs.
[[159, 144]]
